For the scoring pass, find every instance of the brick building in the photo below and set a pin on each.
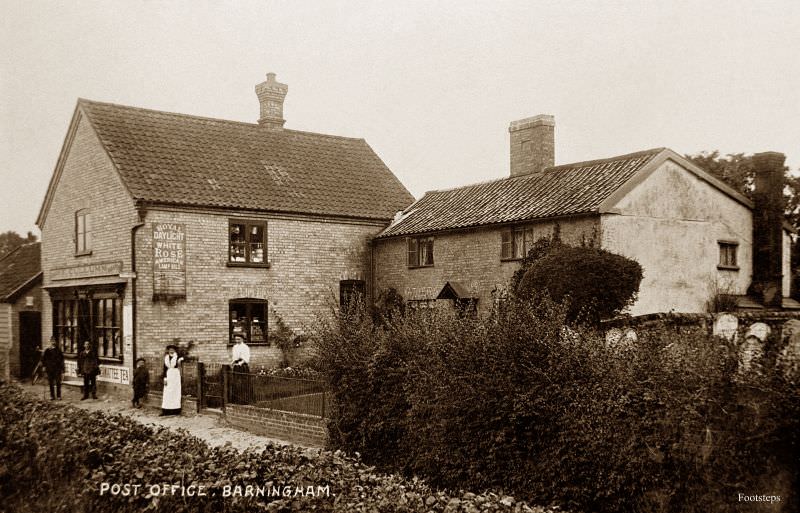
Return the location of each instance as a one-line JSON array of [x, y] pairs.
[[20, 310], [692, 234], [160, 227]]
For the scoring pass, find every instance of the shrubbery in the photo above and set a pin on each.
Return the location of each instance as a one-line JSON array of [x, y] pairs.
[[598, 283], [516, 402], [54, 458]]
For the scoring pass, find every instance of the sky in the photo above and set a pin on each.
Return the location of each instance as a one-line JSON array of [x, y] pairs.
[[431, 85]]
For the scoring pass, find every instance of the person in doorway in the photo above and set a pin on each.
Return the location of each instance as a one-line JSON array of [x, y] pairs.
[[89, 368], [171, 398], [240, 365], [53, 363], [141, 380]]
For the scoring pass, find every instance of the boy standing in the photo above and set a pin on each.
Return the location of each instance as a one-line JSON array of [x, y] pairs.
[[141, 380]]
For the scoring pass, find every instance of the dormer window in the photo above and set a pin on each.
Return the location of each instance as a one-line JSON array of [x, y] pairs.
[[83, 232]]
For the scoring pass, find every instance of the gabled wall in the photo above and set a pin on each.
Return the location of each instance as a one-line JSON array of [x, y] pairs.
[[671, 224], [88, 179]]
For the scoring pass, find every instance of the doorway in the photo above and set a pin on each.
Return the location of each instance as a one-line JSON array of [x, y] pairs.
[[30, 339]]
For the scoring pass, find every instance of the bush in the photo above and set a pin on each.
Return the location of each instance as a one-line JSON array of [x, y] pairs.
[[599, 284], [520, 404], [54, 458]]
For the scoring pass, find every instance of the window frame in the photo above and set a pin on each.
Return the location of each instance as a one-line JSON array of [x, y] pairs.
[[508, 242], [248, 243], [415, 261], [350, 290], [83, 232], [77, 318], [247, 304], [728, 248]]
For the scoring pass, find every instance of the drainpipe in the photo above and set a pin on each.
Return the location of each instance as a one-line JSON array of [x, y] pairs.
[[141, 213]]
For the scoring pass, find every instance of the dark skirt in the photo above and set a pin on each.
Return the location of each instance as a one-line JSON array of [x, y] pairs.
[[174, 411]]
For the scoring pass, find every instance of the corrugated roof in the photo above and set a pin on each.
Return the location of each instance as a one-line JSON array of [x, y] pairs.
[[557, 191], [180, 159], [18, 267]]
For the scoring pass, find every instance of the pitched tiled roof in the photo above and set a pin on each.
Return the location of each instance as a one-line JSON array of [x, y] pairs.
[[18, 267], [557, 191], [187, 160]]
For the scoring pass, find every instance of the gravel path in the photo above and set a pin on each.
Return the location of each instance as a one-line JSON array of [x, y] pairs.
[[208, 427]]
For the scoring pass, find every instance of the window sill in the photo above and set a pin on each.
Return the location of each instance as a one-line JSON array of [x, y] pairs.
[[420, 266], [515, 259], [254, 344], [110, 361], [83, 253], [728, 267], [265, 265]]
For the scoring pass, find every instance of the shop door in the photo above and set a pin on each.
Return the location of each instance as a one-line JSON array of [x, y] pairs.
[[30, 338]]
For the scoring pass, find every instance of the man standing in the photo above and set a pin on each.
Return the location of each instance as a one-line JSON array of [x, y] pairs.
[[53, 362], [89, 367]]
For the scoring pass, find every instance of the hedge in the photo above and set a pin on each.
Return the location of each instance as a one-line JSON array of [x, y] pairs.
[[519, 403], [55, 457]]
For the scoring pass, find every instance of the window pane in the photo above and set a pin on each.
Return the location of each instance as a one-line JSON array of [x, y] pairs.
[[519, 243], [257, 244], [238, 241], [87, 241], [412, 253], [258, 323], [507, 245]]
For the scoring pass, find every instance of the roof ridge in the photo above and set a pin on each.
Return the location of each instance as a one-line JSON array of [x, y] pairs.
[[553, 168], [83, 101], [16, 248], [592, 162]]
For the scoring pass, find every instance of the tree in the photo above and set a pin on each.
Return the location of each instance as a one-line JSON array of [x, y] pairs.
[[11, 239]]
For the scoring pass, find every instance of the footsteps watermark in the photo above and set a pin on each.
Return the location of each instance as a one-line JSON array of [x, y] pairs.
[[743, 497]]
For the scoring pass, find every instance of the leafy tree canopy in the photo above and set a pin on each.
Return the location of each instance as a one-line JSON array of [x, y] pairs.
[[11, 239]]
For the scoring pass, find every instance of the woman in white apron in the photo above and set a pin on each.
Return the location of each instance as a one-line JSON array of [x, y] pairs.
[[171, 399]]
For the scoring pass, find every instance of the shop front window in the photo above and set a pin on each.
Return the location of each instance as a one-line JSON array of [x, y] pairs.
[[247, 243], [248, 318]]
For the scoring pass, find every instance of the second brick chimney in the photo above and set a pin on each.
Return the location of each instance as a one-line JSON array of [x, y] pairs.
[[768, 228], [532, 144], [271, 94]]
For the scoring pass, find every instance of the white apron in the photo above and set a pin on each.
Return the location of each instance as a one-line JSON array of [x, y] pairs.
[[171, 399]]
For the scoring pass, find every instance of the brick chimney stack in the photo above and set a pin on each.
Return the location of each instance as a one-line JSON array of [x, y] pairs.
[[532, 144], [271, 95], [768, 227]]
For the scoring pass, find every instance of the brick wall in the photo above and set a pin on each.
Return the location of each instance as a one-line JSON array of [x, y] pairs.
[[471, 257], [294, 427], [307, 256]]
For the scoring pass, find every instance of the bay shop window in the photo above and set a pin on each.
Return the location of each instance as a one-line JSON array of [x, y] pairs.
[[95, 318]]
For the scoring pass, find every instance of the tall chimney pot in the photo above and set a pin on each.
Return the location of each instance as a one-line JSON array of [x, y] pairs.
[[532, 144], [271, 94]]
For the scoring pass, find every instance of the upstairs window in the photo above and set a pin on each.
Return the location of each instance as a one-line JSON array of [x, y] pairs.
[[420, 252], [727, 255], [83, 232], [516, 243], [248, 318], [247, 243]]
